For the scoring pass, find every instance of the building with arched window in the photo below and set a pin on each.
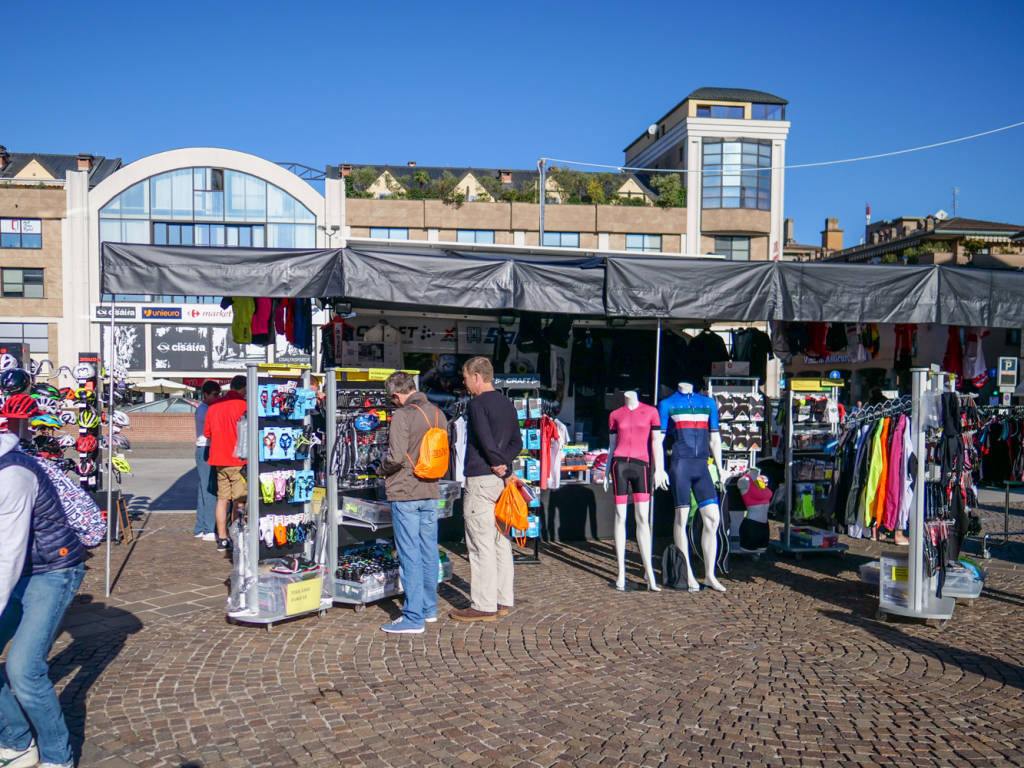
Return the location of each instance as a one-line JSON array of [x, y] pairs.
[[198, 197]]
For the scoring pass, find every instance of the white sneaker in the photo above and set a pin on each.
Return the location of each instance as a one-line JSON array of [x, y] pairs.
[[19, 758], [54, 765], [209, 537]]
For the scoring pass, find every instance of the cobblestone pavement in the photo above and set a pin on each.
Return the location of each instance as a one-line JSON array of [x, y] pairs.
[[787, 668]]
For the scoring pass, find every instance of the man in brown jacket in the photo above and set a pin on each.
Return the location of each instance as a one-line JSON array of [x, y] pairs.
[[413, 503]]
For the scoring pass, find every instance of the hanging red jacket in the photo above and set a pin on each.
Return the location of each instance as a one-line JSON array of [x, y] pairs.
[[953, 360]]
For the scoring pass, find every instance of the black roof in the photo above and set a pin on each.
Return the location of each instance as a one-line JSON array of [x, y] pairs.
[[58, 165], [960, 224], [735, 94]]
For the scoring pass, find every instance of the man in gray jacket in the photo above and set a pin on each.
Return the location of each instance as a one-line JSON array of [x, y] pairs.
[[413, 503]]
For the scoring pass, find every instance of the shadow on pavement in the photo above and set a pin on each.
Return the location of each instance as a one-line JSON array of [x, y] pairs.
[[980, 664], [98, 633]]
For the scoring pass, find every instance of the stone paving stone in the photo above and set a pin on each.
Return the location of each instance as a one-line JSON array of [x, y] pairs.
[[789, 667]]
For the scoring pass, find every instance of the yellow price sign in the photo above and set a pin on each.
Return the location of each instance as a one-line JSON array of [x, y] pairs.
[[319, 494], [303, 596], [900, 573], [379, 374]]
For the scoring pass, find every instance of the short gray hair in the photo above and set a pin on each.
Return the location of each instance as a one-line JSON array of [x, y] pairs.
[[399, 382]]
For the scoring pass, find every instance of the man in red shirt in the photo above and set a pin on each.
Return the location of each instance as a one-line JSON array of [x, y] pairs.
[[221, 428]]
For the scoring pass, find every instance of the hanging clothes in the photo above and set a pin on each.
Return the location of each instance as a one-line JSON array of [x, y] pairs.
[[879, 506], [242, 309], [975, 369], [894, 478], [953, 359], [903, 354]]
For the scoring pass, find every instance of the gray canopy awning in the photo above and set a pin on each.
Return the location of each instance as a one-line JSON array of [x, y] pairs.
[[426, 278]]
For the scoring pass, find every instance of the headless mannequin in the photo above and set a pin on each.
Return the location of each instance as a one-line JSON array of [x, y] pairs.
[[755, 511], [710, 516], [641, 509]]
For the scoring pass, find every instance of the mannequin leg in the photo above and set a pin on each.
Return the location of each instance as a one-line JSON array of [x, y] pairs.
[[679, 537], [620, 545], [710, 515], [643, 540]]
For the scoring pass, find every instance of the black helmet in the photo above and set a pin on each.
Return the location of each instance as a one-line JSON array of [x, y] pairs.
[[46, 390], [15, 380]]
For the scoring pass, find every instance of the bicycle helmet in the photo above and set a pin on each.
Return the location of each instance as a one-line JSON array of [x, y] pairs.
[[86, 467], [84, 371], [67, 417], [66, 440], [120, 463], [86, 444], [3, 424], [45, 421], [37, 368], [46, 404], [88, 419], [15, 380], [46, 390], [19, 406], [85, 395], [8, 361], [121, 419], [48, 447]]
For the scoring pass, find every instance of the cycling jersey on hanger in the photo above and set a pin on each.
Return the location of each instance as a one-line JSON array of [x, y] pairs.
[[690, 419]]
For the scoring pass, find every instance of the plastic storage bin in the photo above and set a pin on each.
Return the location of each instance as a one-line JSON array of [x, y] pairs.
[[895, 579], [870, 572], [281, 595], [376, 513], [961, 582], [450, 492]]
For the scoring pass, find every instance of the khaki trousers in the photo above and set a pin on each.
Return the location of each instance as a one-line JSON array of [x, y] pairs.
[[490, 551]]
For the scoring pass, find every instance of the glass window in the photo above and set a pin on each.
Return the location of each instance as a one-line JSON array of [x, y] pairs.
[[737, 174], [735, 248], [389, 233], [767, 111], [718, 110], [305, 236], [22, 283], [36, 335], [21, 233], [280, 205], [234, 195], [643, 242], [475, 236], [562, 239]]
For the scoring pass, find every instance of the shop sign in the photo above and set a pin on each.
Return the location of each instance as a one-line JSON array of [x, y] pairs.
[[478, 337], [418, 334], [302, 596], [1008, 373], [286, 352], [129, 346], [102, 312], [225, 354], [181, 348], [161, 313]]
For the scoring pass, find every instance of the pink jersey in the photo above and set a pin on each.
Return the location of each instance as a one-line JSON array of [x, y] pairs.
[[633, 430]]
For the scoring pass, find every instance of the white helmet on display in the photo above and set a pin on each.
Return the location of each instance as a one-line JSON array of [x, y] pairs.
[[47, 404], [83, 371], [7, 361], [121, 419]]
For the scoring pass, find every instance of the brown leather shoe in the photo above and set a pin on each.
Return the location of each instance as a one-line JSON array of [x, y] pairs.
[[503, 609], [472, 614]]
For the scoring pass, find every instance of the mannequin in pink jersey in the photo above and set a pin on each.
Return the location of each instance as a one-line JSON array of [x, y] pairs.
[[631, 431]]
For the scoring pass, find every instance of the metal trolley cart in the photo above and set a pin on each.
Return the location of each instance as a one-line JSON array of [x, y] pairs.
[[362, 390], [279, 547]]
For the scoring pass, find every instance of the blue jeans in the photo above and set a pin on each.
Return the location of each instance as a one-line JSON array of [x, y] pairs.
[[28, 701], [415, 526], [206, 502]]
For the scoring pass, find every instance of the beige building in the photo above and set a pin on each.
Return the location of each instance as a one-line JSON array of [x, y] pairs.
[[35, 286], [729, 143]]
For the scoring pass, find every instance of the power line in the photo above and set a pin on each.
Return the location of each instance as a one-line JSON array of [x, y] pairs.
[[622, 168]]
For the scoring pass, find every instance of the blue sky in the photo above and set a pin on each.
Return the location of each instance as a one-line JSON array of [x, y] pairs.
[[488, 84]]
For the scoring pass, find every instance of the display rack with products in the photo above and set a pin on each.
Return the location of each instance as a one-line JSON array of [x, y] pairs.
[[810, 422], [358, 416], [741, 420], [279, 546], [524, 392]]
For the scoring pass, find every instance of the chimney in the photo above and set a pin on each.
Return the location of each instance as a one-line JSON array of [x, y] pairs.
[[4, 157], [787, 231], [505, 175], [412, 163], [85, 162], [832, 236], [346, 169]]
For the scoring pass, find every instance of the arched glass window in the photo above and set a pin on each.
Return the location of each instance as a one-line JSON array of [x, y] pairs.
[[206, 207]]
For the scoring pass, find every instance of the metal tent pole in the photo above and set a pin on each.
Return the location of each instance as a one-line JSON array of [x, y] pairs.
[[542, 195], [111, 513], [919, 384], [330, 433], [657, 360]]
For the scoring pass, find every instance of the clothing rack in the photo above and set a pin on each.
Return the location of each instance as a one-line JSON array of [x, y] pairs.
[[880, 411]]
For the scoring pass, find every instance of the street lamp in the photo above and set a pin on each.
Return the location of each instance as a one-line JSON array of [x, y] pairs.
[[329, 232]]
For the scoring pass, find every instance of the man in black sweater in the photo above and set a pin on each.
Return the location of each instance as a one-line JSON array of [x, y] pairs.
[[493, 443]]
